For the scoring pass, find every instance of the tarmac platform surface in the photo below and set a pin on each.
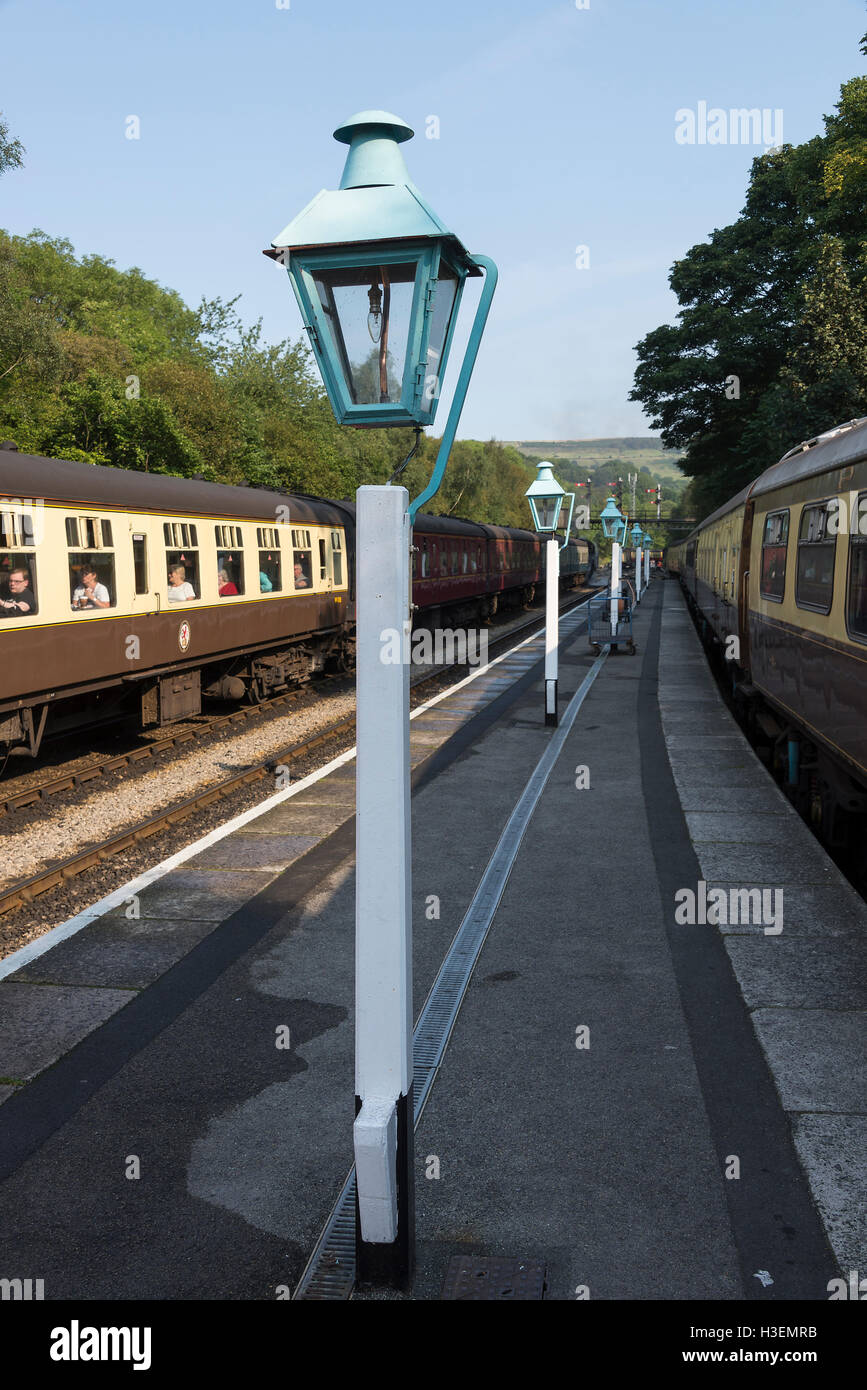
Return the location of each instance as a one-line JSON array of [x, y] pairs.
[[655, 1110]]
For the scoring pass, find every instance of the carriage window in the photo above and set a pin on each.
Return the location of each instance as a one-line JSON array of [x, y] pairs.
[[18, 592], [302, 565], [270, 580], [268, 537], [337, 558], [140, 563], [444, 560], [465, 561], [230, 571], [774, 543], [323, 563], [424, 560], [180, 534], [182, 575], [229, 537], [856, 598], [16, 528], [91, 581], [454, 560], [816, 553]]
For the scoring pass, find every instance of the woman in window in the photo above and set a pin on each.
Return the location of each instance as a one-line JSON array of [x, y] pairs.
[[225, 584], [179, 589]]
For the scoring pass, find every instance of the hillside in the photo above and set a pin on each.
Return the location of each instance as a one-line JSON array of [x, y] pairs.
[[633, 452]]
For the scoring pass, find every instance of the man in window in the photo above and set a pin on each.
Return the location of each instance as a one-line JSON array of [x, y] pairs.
[[18, 599], [301, 580], [90, 593]]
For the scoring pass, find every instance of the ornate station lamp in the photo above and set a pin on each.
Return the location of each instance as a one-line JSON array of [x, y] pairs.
[[637, 538], [614, 529], [378, 277], [546, 498]]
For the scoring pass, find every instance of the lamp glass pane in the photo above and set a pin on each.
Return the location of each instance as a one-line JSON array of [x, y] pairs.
[[548, 512], [443, 308], [369, 309]]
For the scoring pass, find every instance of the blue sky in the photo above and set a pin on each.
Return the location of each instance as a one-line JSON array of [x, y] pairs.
[[556, 130]]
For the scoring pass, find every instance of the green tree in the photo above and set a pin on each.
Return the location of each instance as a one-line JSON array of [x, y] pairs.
[[762, 303], [11, 151]]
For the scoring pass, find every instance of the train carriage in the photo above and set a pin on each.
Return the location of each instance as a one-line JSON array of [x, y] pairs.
[[127, 594], [183, 587]]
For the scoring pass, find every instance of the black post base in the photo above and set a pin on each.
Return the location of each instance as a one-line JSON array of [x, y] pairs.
[[551, 715], [393, 1266]]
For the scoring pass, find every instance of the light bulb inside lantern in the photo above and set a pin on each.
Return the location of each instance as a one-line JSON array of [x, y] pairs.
[[374, 318]]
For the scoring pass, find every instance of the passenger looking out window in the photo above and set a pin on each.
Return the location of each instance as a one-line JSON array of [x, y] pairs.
[[90, 593], [91, 581], [230, 573], [180, 589], [17, 598], [302, 571], [265, 585]]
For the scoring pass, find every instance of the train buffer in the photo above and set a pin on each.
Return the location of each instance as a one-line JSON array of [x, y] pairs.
[[638, 1073]]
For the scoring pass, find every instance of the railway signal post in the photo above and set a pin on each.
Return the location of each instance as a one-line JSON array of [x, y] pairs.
[[546, 498], [378, 278]]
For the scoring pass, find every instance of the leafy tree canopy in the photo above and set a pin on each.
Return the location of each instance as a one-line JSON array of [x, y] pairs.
[[107, 366], [769, 347]]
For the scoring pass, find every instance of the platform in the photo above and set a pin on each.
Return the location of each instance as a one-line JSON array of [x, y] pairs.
[[607, 1065]]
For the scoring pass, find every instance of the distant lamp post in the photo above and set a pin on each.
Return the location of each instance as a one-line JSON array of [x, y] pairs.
[[378, 278], [614, 529], [637, 538], [547, 498], [648, 542]]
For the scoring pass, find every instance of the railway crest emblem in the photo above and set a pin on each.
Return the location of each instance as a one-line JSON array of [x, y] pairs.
[[184, 635]]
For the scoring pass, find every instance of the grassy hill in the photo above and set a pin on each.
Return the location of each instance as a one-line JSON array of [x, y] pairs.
[[633, 452]]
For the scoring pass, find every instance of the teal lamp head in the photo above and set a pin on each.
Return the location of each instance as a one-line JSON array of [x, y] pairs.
[[637, 536], [648, 541], [378, 278], [546, 498], [613, 525]]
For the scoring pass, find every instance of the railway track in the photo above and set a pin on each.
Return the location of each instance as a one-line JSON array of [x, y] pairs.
[[25, 890]]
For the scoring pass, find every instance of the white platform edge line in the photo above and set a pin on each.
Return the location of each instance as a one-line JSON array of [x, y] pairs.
[[34, 949]]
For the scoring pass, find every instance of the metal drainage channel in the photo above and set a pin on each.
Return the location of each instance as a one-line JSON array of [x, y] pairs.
[[330, 1271]]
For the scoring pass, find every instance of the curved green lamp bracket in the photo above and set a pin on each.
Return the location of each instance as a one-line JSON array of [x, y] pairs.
[[463, 382]]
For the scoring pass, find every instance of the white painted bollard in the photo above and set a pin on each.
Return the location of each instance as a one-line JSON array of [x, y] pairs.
[[615, 588], [552, 615], [383, 1132]]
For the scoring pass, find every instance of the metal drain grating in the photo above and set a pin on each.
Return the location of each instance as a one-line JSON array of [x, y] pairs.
[[330, 1271], [488, 1279]]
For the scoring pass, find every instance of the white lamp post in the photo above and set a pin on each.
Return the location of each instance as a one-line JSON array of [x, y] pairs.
[[378, 278], [614, 528], [546, 498], [637, 537], [648, 542]]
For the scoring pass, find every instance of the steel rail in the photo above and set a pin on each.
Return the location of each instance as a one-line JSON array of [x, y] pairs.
[[25, 890]]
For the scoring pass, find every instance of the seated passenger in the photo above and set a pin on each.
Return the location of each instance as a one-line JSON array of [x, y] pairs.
[[179, 589], [18, 598], [265, 585], [301, 580], [90, 593], [225, 585]]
